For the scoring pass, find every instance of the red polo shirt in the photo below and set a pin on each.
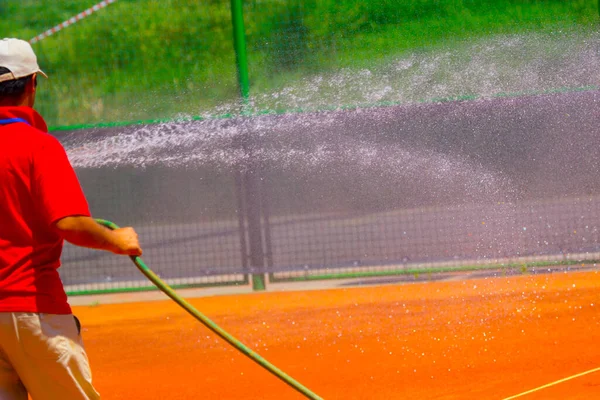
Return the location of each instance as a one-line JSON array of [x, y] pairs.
[[37, 187]]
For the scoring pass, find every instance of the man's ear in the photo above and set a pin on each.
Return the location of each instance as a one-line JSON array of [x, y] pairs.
[[32, 84], [28, 98]]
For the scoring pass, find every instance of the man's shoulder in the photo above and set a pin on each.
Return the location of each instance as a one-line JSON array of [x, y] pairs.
[[25, 139], [33, 134]]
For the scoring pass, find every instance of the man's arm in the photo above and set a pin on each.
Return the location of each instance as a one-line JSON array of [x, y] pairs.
[[86, 232], [62, 204]]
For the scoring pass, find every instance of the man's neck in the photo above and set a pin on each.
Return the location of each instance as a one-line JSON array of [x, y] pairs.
[[21, 101], [10, 104]]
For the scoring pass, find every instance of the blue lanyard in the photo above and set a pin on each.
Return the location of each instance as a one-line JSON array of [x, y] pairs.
[[12, 121]]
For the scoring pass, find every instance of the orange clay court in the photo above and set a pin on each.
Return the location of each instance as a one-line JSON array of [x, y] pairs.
[[494, 338]]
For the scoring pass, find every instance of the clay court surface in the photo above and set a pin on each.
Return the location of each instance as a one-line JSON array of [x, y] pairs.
[[488, 338]]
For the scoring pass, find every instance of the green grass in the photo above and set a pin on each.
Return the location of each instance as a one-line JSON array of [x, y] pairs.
[[156, 59]]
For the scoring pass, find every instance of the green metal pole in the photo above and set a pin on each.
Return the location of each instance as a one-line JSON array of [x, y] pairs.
[[253, 210], [239, 43]]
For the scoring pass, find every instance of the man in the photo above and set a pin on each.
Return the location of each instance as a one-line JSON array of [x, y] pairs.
[[41, 204]]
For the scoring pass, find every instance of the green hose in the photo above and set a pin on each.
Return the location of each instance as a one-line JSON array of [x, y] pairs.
[[214, 327]]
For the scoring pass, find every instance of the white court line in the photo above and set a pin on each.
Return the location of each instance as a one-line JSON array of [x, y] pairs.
[[553, 383]]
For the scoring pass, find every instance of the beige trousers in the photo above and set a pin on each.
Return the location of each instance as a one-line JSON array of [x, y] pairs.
[[43, 355]]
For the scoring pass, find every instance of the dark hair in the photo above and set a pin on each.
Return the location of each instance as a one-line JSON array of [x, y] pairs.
[[14, 87]]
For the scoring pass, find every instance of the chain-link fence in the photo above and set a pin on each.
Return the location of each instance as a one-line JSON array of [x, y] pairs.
[[383, 190], [378, 136]]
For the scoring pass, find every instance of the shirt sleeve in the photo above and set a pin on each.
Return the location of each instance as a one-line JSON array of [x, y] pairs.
[[56, 189]]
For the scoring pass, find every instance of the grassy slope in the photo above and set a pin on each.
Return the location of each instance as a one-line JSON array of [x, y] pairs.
[[148, 59]]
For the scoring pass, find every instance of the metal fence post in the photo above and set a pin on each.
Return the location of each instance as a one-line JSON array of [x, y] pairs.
[[239, 43], [250, 176]]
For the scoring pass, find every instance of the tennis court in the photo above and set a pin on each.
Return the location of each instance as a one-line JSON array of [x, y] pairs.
[[490, 338], [292, 142]]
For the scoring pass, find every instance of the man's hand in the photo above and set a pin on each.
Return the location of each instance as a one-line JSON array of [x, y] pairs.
[[86, 232], [127, 242]]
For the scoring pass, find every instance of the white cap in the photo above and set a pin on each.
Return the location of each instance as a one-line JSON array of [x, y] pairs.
[[18, 57]]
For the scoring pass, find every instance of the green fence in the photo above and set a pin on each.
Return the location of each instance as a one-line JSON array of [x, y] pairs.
[[347, 150]]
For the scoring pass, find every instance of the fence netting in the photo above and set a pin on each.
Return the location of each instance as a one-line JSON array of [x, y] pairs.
[[379, 136]]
